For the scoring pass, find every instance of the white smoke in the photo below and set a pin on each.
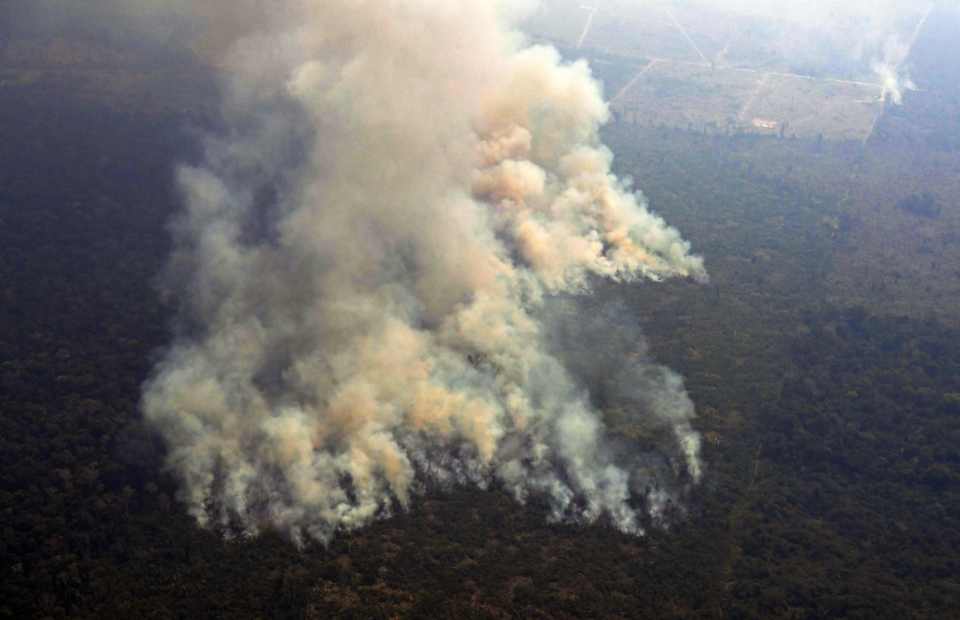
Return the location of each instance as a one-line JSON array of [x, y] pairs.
[[861, 37], [849, 39], [889, 69], [365, 260]]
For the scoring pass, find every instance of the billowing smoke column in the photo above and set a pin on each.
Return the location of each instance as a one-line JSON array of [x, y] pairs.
[[365, 262]]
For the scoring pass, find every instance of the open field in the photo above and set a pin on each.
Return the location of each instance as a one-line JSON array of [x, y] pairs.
[[683, 94], [691, 66], [811, 107], [697, 96]]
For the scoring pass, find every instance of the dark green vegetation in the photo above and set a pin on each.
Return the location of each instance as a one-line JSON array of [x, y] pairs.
[[923, 205], [823, 357]]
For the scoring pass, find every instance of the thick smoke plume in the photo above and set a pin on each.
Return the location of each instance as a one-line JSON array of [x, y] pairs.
[[369, 261]]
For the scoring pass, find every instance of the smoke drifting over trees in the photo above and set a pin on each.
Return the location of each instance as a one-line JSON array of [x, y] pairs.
[[368, 263]]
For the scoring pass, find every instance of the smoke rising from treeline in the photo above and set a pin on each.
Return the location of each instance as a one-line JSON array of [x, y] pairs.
[[368, 262]]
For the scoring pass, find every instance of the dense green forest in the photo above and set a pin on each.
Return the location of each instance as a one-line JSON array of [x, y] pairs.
[[824, 359]]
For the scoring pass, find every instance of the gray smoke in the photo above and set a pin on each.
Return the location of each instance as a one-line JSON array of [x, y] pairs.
[[368, 260]]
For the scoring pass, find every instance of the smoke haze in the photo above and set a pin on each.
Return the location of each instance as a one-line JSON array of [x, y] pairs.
[[862, 34], [370, 261], [856, 39]]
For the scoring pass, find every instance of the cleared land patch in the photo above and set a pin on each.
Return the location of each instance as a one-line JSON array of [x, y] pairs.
[[690, 66]]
